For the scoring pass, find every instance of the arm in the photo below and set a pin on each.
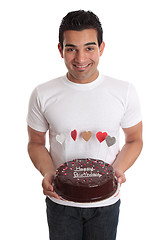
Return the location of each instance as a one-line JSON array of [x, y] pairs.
[[42, 160], [130, 151]]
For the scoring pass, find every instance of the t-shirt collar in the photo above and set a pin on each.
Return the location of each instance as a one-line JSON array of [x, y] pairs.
[[83, 86]]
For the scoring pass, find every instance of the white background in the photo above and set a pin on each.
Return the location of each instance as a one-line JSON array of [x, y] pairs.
[[28, 57]]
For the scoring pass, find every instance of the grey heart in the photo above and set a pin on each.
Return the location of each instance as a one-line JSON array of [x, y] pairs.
[[110, 140]]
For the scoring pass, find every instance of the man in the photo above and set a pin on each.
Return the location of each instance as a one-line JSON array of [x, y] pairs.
[[83, 100]]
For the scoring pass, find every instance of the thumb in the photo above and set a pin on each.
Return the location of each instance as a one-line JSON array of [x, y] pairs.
[[120, 176], [50, 188], [46, 184]]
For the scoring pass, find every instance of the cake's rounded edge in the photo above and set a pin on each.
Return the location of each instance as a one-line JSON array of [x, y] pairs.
[[85, 193]]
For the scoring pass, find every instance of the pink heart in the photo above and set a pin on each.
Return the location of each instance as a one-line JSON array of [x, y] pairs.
[[101, 136], [74, 134]]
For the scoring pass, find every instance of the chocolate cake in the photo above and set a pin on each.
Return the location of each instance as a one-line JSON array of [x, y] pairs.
[[85, 180]]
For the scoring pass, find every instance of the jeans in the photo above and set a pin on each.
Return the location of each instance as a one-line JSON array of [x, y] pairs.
[[74, 223]]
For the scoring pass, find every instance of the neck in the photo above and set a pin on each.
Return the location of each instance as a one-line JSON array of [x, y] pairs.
[[83, 80]]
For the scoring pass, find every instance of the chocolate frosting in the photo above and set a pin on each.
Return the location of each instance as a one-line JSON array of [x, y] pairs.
[[85, 180]]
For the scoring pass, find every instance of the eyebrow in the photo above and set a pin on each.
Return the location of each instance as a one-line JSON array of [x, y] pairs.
[[90, 43], [86, 44]]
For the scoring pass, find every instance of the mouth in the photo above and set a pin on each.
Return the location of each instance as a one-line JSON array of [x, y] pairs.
[[81, 67]]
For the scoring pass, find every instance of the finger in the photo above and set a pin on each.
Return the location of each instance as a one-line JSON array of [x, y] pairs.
[[121, 179], [56, 195], [51, 194], [47, 185]]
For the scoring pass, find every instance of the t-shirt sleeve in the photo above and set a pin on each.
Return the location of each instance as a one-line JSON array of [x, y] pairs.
[[35, 117], [132, 113]]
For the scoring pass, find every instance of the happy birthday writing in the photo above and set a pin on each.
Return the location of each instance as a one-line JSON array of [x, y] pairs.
[[85, 175], [84, 169]]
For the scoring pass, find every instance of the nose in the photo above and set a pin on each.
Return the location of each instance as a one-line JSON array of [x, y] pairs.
[[80, 56]]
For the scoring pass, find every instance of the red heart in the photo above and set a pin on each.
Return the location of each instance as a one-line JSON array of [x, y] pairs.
[[101, 136], [74, 134]]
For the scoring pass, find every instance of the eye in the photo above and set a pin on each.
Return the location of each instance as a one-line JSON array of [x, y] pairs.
[[90, 49], [70, 49]]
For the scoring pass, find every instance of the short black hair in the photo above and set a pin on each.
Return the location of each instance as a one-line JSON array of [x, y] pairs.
[[78, 21]]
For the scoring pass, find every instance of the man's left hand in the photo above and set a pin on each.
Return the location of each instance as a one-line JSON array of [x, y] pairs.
[[120, 176]]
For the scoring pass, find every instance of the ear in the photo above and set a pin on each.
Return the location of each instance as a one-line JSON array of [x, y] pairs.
[[101, 48], [60, 49]]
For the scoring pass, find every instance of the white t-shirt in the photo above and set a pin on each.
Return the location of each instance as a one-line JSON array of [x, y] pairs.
[[64, 108]]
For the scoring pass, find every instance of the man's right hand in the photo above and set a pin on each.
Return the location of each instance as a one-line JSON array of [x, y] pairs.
[[48, 188]]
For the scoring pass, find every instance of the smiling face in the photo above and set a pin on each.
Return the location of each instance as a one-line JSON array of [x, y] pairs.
[[81, 54]]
